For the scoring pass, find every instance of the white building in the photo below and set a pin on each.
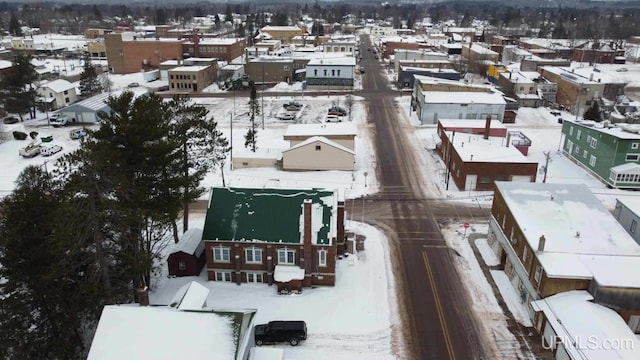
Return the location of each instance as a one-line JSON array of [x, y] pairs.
[[331, 73], [343, 46], [435, 105], [404, 55], [57, 94]]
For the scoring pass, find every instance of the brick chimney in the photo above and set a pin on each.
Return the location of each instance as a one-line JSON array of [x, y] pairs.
[[143, 296], [340, 241], [487, 127], [306, 235], [196, 47]]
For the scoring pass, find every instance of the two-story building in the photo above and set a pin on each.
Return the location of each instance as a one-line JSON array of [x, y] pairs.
[[57, 94], [270, 69], [191, 78], [282, 33], [554, 238], [331, 73], [244, 245], [611, 152]]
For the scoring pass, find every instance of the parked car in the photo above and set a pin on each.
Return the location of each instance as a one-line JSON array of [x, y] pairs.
[[333, 118], [163, 88], [46, 138], [58, 120], [50, 150], [292, 106], [280, 331], [77, 134], [556, 113], [10, 120], [361, 70], [622, 70], [133, 85], [30, 150], [337, 110], [287, 116]]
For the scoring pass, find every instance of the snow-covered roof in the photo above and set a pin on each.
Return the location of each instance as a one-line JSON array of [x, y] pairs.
[[266, 353], [587, 330], [190, 296], [150, 332], [582, 238], [633, 204], [619, 130], [286, 273], [323, 140], [475, 148], [280, 28], [190, 241], [4, 64], [59, 85], [470, 123], [217, 41], [463, 97], [348, 61], [189, 68], [326, 130]]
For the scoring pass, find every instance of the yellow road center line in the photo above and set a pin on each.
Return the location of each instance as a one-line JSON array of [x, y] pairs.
[[436, 298]]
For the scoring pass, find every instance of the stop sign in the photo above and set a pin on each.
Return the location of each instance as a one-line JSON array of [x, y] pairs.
[[466, 225]]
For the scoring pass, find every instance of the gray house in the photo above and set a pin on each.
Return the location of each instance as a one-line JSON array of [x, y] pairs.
[[627, 212], [86, 111]]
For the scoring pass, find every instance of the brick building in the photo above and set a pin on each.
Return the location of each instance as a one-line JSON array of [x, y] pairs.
[[128, 53], [191, 78], [226, 49], [244, 244]]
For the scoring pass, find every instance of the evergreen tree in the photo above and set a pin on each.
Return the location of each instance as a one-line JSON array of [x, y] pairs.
[[47, 294], [89, 83], [593, 112], [14, 25], [202, 148], [251, 137], [240, 31], [134, 139], [16, 87], [216, 20], [228, 15]]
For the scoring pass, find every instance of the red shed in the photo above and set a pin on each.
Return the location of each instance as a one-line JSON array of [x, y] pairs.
[[187, 256]]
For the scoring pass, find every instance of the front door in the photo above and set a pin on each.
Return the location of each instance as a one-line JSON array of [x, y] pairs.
[[470, 183]]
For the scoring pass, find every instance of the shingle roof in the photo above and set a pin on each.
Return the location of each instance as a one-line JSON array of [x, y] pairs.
[[269, 215]]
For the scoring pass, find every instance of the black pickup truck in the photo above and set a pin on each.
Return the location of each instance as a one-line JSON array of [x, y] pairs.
[[280, 331]]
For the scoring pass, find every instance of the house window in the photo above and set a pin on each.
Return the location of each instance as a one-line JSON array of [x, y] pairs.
[[525, 254], [594, 142], [325, 72], [182, 265], [171, 77], [66, 100], [484, 179], [254, 278], [634, 145], [253, 255], [538, 274], [318, 147], [50, 94], [592, 160], [514, 240], [223, 276], [66, 92], [579, 134], [632, 229], [286, 256], [577, 151], [338, 72], [333, 72], [315, 72], [584, 154], [285, 68], [571, 131], [322, 257], [221, 254], [632, 157]]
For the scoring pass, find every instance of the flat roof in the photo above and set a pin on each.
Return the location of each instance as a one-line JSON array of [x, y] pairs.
[[471, 123], [192, 68], [350, 61], [343, 128], [475, 148], [463, 97], [632, 131], [582, 238]]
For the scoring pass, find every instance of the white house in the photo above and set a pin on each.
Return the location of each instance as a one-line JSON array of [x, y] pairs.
[[57, 94], [435, 105], [331, 73], [344, 46], [318, 153]]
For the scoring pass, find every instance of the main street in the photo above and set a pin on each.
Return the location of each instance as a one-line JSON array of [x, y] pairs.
[[435, 308]]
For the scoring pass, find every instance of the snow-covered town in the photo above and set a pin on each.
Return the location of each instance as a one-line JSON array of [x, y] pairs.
[[268, 184]]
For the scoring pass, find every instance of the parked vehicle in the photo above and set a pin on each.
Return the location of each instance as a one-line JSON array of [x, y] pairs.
[[59, 120], [46, 138], [30, 150], [286, 116], [333, 118], [50, 150], [292, 106], [337, 110], [280, 331], [77, 134], [19, 135], [163, 88], [133, 85], [361, 70], [556, 113], [10, 120]]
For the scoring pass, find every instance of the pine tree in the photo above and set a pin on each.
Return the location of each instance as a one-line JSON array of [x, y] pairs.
[[16, 87], [593, 112], [202, 148], [228, 15], [89, 83], [251, 137], [240, 31], [14, 25]]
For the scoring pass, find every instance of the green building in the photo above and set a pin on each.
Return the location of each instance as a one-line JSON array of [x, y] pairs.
[[611, 152]]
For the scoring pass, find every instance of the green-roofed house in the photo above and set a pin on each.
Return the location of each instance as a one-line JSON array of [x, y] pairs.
[[273, 235]]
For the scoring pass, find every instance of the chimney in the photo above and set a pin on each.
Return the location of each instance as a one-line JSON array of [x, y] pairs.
[[143, 296], [508, 139], [340, 241], [487, 127], [306, 235], [541, 243], [591, 77], [196, 47]]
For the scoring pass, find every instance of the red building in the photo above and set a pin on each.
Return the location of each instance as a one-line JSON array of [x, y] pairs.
[[187, 256]]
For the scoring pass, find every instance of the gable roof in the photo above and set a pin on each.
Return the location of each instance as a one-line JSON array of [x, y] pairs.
[[59, 85], [326, 130], [162, 333], [323, 140], [190, 243], [237, 214]]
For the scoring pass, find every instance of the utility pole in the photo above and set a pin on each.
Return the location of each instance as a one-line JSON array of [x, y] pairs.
[[231, 143], [262, 96], [450, 157], [547, 155]]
